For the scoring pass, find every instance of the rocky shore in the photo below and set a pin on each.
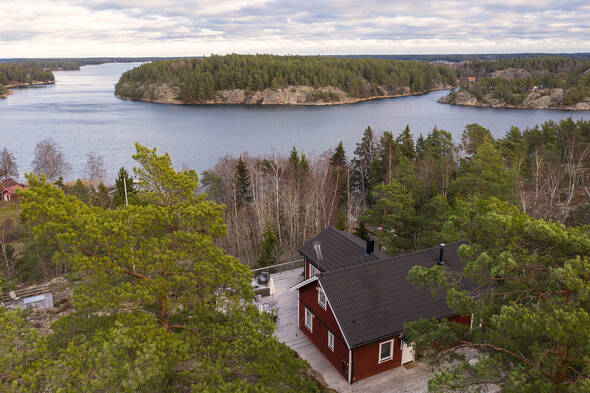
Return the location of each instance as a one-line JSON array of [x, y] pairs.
[[23, 86], [291, 95], [536, 99]]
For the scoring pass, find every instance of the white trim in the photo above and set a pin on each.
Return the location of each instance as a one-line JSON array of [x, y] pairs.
[[350, 366], [310, 326], [320, 292], [390, 342], [330, 334], [303, 283], [313, 271], [299, 305], [334, 314]]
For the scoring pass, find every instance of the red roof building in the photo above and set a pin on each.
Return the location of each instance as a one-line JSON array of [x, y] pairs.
[[355, 300], [8, 189]]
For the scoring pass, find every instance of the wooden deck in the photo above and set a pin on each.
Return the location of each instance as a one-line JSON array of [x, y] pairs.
[[398, 380]]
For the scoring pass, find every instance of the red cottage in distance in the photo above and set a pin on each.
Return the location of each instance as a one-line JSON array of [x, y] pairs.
[[8, 189], [355, 300]]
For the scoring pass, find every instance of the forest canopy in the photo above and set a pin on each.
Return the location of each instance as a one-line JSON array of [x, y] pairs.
[[16, 73], [511, 80], [199, 78]]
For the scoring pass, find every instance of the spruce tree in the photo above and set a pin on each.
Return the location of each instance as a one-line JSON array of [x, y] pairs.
[[270, 251], [406, 143], [363, 162], [242, 182], [338, 159]]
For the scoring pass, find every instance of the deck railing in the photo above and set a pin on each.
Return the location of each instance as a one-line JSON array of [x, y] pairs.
[[280, 267]]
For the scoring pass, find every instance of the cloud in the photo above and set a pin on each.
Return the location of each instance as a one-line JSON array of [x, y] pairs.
[[184, 28]]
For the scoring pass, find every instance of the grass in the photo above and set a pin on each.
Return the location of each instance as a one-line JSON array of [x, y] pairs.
[[9, 211]]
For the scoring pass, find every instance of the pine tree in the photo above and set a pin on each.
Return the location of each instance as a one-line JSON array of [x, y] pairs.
[[242, 183]]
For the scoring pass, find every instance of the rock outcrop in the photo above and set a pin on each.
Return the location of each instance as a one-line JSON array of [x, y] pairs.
[[290, 95], [535, 99]]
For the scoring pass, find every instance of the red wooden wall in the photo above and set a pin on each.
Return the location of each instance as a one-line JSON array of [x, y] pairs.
[[322, 322], [365, 360]]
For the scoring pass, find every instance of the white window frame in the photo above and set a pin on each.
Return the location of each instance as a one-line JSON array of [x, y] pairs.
[[331, 340], [390, 343], [320, 293], [310, 326]]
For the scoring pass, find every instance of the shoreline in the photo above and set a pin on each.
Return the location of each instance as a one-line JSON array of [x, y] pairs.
[[352, 100], [27, 85], [488, 106]]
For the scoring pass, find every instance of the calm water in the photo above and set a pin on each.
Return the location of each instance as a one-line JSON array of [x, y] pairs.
[[81, 114]]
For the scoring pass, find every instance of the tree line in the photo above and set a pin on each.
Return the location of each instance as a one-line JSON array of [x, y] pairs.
[[199, 78], [570, 74], [400, 187], [17, 73]]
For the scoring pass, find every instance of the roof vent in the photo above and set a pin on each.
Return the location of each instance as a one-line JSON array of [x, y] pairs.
[[370, 246], [318, 250], [441, 260]]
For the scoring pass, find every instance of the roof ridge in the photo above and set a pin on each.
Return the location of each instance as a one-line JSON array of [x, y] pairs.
[[387, 259]]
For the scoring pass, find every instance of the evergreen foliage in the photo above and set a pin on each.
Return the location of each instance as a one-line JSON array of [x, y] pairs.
[[198, 79], [270, 252], [242, 180], [160, 308], [568, 74], [525, 283]]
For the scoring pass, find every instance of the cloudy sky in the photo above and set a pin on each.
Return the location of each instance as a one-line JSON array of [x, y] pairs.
[[82, 28]]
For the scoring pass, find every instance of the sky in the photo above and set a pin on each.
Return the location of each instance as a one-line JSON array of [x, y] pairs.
[[93, 28]]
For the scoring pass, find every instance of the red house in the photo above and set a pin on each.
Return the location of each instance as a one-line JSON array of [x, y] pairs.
[[8, 189], [355, 300]]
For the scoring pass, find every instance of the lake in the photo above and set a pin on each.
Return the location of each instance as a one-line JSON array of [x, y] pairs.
[[82, 115]]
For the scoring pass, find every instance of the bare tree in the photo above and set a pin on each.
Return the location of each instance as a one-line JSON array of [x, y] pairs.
[[8, 167], [49, 160], [95, 169]]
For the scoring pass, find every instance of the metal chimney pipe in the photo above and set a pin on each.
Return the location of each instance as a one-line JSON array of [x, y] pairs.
[[441, 260]]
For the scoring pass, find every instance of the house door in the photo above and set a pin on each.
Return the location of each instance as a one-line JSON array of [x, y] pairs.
[[407, 353]]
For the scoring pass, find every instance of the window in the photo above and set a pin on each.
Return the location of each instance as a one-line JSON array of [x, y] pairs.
[[312, 270], [385, 351], [309, 320], [330, 340], [321, 298]]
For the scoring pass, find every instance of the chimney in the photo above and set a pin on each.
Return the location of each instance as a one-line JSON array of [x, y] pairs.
[[370, 246], [318, 250], [441, 260]]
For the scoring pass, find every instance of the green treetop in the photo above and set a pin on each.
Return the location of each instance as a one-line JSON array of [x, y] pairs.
[[525, 283]]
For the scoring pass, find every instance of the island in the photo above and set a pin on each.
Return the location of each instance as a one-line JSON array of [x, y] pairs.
[[279, 80], [17, 75], [525, 83]]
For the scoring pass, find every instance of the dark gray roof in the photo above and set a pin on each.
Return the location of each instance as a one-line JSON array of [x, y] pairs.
[[339, 250], [374, 300]]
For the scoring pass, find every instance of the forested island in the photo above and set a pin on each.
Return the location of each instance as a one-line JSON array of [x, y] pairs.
[[528, 83], [15, 75], [269, 79]]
